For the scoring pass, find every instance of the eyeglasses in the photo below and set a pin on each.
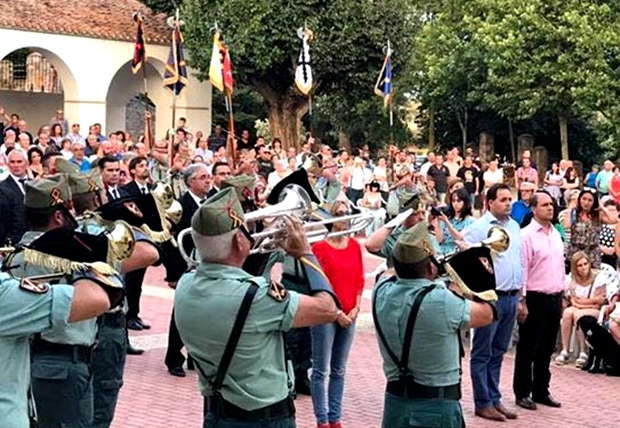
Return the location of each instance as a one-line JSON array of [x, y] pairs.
[[341, 214]]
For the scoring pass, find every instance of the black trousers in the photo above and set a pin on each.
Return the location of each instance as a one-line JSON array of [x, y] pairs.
[[537, 336], [133, 287], [174, 356], [173, 262]]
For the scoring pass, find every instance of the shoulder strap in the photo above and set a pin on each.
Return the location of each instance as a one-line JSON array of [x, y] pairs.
[[413, 315], [233, 339], [402, 363]]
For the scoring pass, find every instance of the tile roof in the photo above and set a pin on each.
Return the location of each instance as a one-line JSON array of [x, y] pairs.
[[101, 19]]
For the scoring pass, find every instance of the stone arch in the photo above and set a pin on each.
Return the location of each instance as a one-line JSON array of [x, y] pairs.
[[36, 104], [69, 84], [126, 86]]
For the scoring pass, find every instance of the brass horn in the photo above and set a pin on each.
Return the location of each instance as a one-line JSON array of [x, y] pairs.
[[163, 194], [174, 212], [121, 240], [293, 200], [121, 237], [498, 240]]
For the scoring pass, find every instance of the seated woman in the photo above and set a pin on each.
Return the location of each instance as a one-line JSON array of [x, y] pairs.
[[454, 220], [372, 202], [585, 295]]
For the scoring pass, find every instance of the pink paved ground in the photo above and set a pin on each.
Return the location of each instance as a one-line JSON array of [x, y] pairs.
[[152, 398]]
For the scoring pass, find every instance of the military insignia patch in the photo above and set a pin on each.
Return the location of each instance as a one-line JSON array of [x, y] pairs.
[[34, 286], [236, 220], [277, 292], [487, 264], [55, 194]]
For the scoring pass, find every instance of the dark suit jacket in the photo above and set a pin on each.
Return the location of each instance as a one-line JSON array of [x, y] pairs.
[[133, 189], [12, 212], [121, 191], [212, 192], [174, 263]]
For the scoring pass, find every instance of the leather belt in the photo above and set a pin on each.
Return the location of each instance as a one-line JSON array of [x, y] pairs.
[[507, 293], [115, 319], [411, 389], [223, 409], [73, 352], [544, 295]]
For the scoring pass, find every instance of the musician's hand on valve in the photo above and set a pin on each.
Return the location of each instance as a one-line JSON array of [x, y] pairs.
[[296, 243], [399, 219]]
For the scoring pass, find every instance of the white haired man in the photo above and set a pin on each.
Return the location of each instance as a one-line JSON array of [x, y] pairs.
[[243, 371]]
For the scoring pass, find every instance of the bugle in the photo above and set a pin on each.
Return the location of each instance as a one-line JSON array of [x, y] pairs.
[[498, 240], [270, 240]]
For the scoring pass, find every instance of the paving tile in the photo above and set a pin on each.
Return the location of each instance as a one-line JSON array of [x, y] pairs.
[[152, 398]]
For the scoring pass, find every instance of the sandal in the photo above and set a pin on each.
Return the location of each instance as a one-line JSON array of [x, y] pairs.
[[561, 359], [582, 360]]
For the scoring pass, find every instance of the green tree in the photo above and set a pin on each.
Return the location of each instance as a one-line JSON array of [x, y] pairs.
[[548, 57], [447, 67], [262, 37]]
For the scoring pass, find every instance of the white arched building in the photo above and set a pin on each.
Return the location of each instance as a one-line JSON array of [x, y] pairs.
[[90, 44]]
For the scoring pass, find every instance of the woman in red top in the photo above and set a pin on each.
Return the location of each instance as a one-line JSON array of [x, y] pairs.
[[341, 260]]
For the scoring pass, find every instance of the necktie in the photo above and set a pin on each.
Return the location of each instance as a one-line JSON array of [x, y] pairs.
[[144, 190], [22, 184]]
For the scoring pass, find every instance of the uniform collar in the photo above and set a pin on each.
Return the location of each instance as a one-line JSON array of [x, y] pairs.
[[222, 271]]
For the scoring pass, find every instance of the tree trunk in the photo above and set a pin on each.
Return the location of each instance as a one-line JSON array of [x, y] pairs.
[[344, 140], [463, 126], [511, 136], [284, 113], [431, 129], [563, 118]]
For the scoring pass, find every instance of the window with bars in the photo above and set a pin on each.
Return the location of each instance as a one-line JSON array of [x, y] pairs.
[[27, 70]]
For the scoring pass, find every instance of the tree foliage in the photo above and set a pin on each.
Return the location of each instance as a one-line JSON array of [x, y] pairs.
[[520, 60], [262, 38]]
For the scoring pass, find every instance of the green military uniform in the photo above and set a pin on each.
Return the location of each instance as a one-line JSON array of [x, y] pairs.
[[109, 355], [256, 388], [61, 373], [428, 395], [23, 313]]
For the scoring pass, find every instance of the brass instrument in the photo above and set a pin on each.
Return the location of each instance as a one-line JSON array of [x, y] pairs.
[[164, 196], [121, 237], [295, 201], [497, 240]]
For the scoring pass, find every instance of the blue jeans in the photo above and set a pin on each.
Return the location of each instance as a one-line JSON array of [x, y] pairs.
[[330, 349], [490, 343]]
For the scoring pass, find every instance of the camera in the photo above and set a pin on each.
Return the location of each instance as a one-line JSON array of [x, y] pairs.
[[438, 211]]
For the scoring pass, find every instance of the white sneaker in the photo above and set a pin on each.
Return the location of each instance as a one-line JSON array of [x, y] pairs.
[[582, 360], [561, 359]]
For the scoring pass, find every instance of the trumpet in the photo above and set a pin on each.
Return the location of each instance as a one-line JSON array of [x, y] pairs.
[[295, 201], [498, 240]]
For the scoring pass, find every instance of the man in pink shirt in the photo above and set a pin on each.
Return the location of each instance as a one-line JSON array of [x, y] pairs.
[[540, 307]]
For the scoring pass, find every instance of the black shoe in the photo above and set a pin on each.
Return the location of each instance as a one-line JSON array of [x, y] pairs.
[[177, 371], [144, 325], [133, 324], [526, 403], [548, 401], [134, 351]]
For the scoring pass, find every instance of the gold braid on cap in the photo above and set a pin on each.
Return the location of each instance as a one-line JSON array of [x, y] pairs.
[[60, 265]]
